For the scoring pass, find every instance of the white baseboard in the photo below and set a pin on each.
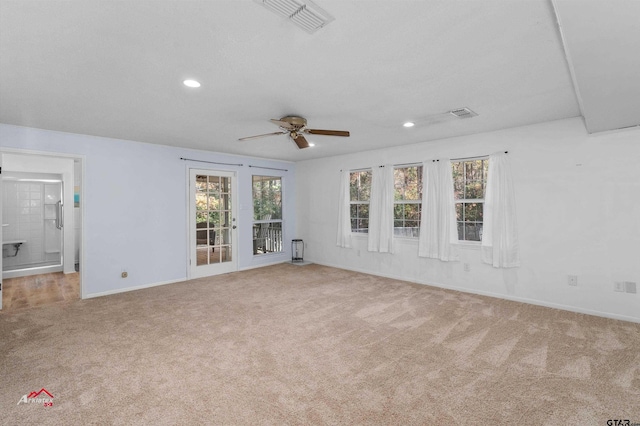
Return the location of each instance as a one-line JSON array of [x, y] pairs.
[[400, 278], [277, 262], [140, 287], [127, 289], [491, 294]]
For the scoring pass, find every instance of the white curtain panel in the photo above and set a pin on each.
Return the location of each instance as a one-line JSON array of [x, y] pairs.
[[381, 210], [344, 208], [438, 232], [386, 215], [500, 233]]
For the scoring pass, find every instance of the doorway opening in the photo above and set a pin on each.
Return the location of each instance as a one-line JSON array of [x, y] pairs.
[[41, 230]]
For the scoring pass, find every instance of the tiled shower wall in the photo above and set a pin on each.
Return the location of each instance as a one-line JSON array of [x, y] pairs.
[[24, 219]]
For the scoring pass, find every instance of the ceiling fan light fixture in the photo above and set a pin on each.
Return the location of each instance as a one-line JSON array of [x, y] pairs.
[[305, 14]]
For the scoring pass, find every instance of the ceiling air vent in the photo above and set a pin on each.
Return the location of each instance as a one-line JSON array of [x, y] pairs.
[[463, 113], [305, 14]]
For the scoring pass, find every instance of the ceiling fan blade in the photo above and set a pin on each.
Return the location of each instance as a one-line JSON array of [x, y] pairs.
[[327, 132], [300, 140], [283, 124], [262, 136]]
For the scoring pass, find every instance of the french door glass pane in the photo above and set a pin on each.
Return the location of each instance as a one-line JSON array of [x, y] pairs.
[[213, 219]]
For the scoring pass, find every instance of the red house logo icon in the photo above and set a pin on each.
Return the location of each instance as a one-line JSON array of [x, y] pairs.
[[34, 394], [43, 396]]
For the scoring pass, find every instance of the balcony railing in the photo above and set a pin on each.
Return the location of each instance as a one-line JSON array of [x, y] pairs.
[[267, 238]]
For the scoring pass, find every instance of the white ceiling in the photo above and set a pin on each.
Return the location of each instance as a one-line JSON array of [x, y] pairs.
[[114, 69], [602, 40]]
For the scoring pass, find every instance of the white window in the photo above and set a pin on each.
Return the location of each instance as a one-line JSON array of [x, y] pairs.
[[267, 214], [359, 195], [407, 201], [469, 184]]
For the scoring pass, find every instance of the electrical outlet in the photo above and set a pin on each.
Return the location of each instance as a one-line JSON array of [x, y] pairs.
[[467, 267], [572, 280], [630, 287], [124, 274], [618, 286], [358, 252]]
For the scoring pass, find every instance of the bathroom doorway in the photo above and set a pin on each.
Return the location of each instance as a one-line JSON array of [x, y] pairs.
[[32, 213], [41, 229]]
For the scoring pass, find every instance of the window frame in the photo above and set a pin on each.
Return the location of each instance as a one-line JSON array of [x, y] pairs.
[[358, 203], [465, 201], [258, 222], [396, 202]]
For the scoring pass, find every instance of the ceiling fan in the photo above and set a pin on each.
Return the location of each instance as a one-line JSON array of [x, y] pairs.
[[295, 127]]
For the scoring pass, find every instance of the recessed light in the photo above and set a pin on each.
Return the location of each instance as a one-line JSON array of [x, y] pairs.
[[191, 83], [312, 144], [409, 124]]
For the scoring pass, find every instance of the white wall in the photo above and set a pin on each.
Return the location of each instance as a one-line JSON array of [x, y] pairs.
[[135, 206], [578, 202]]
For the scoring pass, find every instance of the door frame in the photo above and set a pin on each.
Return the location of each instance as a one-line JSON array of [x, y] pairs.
[[82, 159], [213, 269], [1, 195]]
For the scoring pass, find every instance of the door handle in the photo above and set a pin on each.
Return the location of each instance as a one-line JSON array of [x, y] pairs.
[[59, 215]]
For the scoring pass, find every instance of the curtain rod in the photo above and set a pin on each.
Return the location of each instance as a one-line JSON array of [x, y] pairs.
[[407, 164], [358, 170], [471, 158], [269, 168], [417, 164], [211, 162]]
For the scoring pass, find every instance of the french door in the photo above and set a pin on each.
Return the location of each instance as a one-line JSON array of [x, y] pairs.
[[213, 242]]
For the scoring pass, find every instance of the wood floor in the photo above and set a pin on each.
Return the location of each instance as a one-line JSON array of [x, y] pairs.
[[39, 290]]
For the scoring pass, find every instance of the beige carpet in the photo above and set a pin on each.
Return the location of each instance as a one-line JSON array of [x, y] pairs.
[[315, 345]]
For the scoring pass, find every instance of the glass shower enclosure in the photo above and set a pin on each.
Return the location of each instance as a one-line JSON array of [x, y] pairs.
[[32, 215]]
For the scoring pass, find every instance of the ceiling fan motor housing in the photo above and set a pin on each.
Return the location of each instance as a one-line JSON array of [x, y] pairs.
[[295, 121]]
